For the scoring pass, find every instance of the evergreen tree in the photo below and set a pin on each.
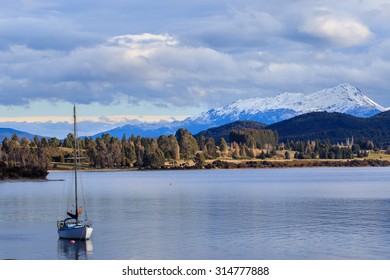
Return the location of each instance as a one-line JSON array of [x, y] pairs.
[[243, 151], [211, 148], [44, 143], [68, 141], [91, 151], [115, 151], [25, 151], [202, 142], [187, 143], [222, 145], [163, 144], [131, 154], [236, 150], [199, 160], [54, 142], [139, 150], [101, 153], [174, 147], [153, 157], [169, 146]]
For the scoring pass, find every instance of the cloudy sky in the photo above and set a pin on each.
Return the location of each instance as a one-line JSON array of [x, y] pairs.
[[178, 58]]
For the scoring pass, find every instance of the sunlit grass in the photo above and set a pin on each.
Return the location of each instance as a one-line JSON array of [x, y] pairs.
[[379, 156]]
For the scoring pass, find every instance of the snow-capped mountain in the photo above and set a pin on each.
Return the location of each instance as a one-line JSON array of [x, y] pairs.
[[344, 98]]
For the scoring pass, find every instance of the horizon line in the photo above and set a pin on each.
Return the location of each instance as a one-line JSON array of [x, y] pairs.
[[105, 119]]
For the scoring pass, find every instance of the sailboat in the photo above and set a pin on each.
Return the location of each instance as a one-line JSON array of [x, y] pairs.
[[75, 226]]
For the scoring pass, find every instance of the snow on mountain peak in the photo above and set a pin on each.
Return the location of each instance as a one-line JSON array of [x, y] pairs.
[[344, 98], [336, 99]]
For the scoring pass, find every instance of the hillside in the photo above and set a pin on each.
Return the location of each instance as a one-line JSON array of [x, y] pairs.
[[336, 127], [381, 120], [224, 130], [8, 132]]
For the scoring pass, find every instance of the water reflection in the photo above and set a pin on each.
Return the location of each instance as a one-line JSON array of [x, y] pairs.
[[74, 249]]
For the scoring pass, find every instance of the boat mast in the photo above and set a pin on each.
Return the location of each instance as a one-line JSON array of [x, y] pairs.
[[75, 161]]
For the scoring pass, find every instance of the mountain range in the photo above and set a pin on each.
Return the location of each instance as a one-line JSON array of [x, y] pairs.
[[335, 127], [8, 132], [345, 98]]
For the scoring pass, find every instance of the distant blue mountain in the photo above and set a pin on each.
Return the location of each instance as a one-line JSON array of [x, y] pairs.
[[145, 130], [8, 132]]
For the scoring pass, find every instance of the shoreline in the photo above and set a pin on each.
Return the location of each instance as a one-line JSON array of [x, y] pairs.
[[251, 164], [223, 164], [8, 180], [218, 164]]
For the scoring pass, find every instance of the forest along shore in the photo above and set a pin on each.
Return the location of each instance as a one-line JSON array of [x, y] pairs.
[[246, 148], [220, 164], [248, 164], [17, 172]]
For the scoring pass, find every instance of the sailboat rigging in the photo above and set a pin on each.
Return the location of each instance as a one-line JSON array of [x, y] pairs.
[[74, 226]]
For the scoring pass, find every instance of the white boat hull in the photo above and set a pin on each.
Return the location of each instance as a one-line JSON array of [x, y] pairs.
[[78, 232]]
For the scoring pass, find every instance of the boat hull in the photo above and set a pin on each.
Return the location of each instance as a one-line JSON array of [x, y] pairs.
[[79, 232]]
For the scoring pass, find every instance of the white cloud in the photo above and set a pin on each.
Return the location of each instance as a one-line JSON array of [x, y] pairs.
[[338, 32], [178, 54], [133, 41], [160, 69], [149, 67]]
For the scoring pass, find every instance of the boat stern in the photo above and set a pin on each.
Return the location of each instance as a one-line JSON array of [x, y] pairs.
[[75, 232], [88, 232]]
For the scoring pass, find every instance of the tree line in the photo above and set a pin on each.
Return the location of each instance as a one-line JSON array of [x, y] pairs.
[[24, 158], [324, 149], [180, 149]]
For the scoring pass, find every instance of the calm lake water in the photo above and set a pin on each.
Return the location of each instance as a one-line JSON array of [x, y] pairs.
[[321, 213]]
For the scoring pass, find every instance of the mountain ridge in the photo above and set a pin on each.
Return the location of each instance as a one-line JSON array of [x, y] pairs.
[[8, 132], [224, 131], [344, 98], [335, 127]]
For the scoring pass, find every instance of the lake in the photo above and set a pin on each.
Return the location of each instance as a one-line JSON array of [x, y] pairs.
[[317, 213]]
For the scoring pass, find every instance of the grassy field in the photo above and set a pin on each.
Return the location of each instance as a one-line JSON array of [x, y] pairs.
[[276, 159], [379, 156], [68, 166]]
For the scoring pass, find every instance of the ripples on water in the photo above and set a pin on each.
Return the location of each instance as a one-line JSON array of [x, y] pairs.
[[340, 213]]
